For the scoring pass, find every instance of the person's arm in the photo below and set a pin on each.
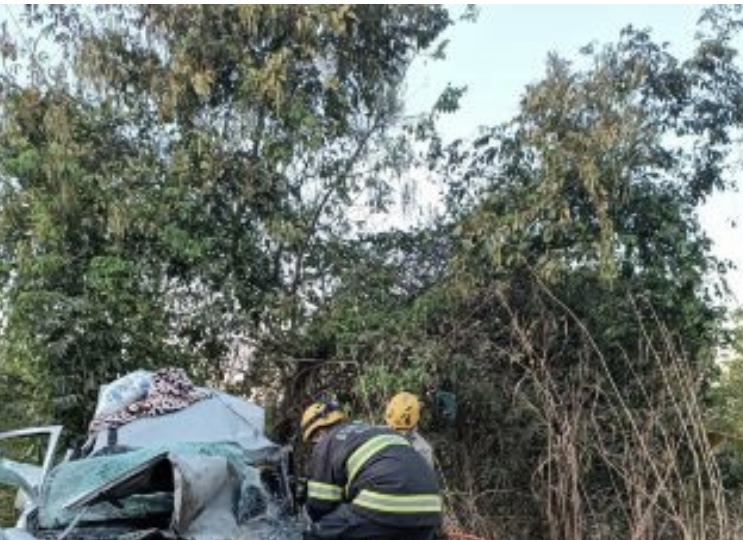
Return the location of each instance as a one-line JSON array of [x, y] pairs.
[[324, 489], [424, 448]]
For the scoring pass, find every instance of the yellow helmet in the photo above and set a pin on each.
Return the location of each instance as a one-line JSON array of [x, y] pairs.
[[320, 415], [403, 411]]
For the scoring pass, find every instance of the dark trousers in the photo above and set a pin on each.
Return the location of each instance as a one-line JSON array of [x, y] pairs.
[[345, 524]]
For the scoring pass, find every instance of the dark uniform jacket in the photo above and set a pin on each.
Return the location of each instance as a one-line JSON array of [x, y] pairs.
[[378, 473]]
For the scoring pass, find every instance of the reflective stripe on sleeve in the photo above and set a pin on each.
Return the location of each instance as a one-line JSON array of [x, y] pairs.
[[398, 504], [324, 492]]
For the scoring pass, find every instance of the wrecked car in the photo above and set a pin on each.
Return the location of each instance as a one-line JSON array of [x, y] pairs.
[[163, 458]]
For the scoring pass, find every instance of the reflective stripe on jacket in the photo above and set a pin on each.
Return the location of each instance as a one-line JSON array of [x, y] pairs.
[[377, 472]]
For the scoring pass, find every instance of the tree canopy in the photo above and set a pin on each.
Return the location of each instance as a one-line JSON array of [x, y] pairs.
[[174, 189]]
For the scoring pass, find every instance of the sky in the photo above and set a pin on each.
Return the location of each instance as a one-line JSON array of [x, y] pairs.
[[506, 49]]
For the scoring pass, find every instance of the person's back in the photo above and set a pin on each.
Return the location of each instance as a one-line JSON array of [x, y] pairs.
[[368, 482], [379, 471]]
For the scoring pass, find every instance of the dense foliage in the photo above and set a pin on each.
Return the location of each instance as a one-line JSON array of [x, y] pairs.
[[174, 191], [187, 185]]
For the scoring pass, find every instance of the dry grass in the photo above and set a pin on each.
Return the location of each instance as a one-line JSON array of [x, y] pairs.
[[625, 459]]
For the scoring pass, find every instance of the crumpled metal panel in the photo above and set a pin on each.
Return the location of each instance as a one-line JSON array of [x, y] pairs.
[[200, 490], [221, 418], [73, 480], [205, 490]]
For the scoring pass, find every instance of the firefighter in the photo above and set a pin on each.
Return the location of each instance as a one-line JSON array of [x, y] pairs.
[[366, 481], [402, 414]]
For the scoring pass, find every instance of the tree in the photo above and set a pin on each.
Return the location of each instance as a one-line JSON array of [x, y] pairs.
[[186, 168]]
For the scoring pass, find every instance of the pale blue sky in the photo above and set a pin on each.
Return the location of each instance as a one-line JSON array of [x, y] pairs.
[[506, 49]]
